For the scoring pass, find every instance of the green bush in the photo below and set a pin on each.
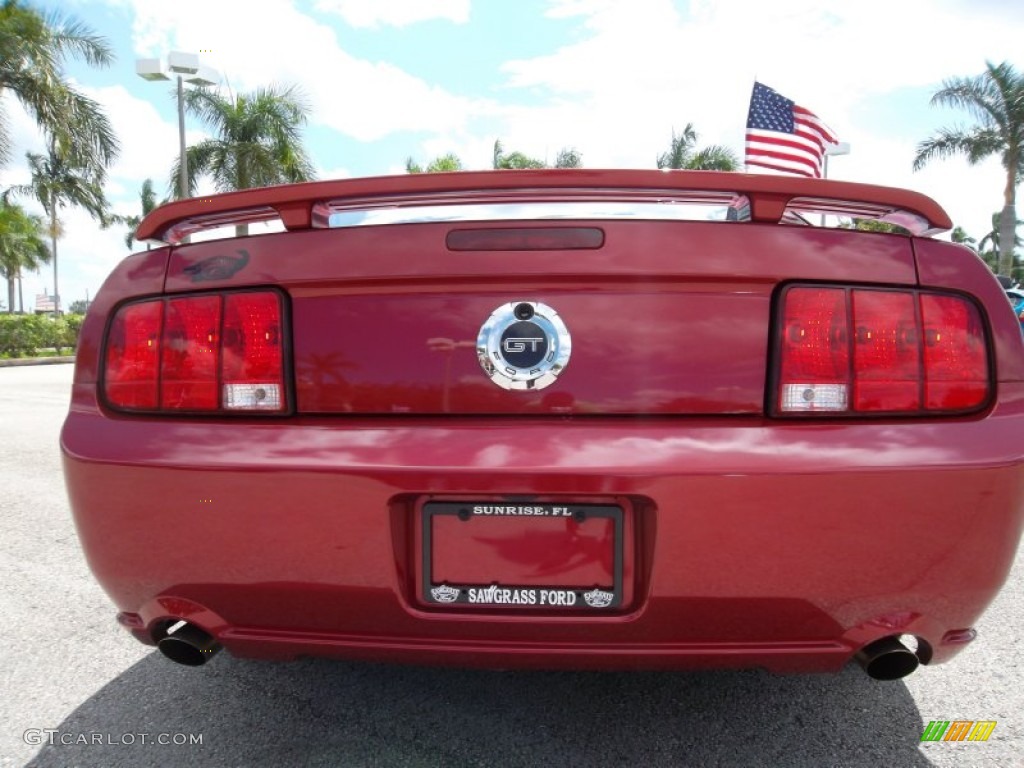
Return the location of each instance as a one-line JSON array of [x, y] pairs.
[[25, 335], [66, 330]]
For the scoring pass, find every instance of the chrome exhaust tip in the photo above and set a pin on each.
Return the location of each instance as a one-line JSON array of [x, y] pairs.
[[887, 659], [189, 645]]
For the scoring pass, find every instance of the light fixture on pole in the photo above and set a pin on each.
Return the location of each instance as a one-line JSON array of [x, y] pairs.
[[188, 70], [840, 148]]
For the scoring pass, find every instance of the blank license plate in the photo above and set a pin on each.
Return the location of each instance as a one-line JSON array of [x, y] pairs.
[[522, 555]]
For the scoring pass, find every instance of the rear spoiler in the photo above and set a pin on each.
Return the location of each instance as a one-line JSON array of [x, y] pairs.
[[760, 198]]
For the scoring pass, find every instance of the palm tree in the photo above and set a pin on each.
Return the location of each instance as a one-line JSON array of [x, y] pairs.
[[33, 49], [513, 161], [22, 246], [995, 99], [993, 238], [147, 197], [442, 164], [569, 158], [989, 248], [257, 140], [58, 181], [682, 155], [959, 235], [517, 161]]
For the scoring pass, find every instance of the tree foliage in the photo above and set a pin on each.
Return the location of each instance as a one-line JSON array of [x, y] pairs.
[[995, 99], [33, 50], [682, 154], [147, 201], [59, 180], [26, 335], [519, 161], [874, 225], [569, 157], [990, 241], [22, 246], [257, 139], [443, 164], [959, 235]]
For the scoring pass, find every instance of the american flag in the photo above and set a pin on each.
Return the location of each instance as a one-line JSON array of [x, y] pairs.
[[783, 136]]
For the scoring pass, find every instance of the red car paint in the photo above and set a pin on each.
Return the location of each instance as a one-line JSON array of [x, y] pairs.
[[735, 536]]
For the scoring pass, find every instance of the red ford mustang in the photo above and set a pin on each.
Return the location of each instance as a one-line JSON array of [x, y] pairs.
[[604, 419]]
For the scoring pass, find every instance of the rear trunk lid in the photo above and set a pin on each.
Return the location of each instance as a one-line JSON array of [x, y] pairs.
[[664, 317], [392, 280]]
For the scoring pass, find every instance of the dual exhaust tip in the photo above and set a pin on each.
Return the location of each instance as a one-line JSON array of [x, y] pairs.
[[885, 659], [188, 644]]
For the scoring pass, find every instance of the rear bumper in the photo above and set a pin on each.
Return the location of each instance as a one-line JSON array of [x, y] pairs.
[[753, 543]]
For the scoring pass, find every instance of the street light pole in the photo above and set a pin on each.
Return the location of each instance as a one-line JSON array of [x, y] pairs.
[[188, 69], [183, 163], [840, 148]]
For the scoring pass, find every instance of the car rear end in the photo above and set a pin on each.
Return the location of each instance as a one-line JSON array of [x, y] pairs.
[[552, 419]]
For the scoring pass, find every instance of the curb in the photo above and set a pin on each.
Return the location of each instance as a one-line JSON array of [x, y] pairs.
[[20, 361]]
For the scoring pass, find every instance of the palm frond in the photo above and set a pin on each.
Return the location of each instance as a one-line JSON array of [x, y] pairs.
[[258, 138], [713, 158], [33, 50], [71, 37], [948, 142], [569, 158]]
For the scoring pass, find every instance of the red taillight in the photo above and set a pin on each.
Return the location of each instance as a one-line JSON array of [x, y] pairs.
[[191, 354], [861, 350], [955, 357], [252, 352], [133, 356], [886, 352], [204, 353], [815, 350]]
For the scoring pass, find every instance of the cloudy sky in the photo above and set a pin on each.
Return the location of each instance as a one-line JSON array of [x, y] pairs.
[[389, 79]]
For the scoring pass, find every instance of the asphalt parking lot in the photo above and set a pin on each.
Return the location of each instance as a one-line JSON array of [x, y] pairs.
[[70, 674]]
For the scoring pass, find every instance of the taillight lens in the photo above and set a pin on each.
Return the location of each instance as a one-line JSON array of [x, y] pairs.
[[864, 350], [190, 354], [815, 350], [133, 356], [252, 352], [886, 352], [955, 356], [207, 353]]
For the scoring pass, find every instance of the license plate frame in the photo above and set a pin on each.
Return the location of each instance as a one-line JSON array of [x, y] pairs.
[[498, 595]]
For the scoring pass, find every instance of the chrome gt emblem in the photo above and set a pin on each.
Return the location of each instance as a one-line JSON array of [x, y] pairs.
[[524, 345]]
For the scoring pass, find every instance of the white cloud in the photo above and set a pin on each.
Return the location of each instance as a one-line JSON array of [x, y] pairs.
[[396, 13], [333, 173], [633, 71], [22, 130], [149, 143], [86, 254], [625, 76], [362, 99]]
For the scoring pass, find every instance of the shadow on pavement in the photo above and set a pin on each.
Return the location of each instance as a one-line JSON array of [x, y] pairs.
[[320, 712]]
